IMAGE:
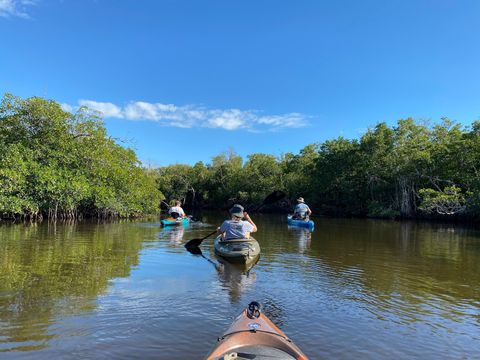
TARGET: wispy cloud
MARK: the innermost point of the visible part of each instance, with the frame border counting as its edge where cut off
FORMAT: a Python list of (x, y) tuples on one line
[(15, 8), (189, 116)]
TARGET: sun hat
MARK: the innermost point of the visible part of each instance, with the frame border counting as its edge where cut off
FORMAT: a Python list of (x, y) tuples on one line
[(300, 199), (237, 210)]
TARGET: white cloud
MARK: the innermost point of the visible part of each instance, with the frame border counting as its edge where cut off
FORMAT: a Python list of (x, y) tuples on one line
[(190, 116), (288, 120), (106, 108), (15, 8), (229, 119)]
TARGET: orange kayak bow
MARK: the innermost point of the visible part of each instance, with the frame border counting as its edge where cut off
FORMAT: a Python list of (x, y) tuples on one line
[(253, 336)]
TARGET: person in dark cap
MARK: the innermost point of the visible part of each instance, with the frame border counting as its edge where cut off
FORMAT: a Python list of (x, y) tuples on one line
[(301, 211), (236, 227)]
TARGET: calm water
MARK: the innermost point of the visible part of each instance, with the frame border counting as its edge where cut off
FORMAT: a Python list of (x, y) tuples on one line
[(352, 289)]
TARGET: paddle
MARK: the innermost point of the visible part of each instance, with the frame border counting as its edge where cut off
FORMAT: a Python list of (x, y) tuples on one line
[(270, 199), (196, 242), (195, 250)]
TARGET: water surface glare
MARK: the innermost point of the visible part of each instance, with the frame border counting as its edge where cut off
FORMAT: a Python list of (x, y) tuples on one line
[(352, 289)]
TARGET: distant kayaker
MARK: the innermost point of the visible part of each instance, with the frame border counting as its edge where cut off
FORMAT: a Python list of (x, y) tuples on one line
[(176, 211), (236, 228), (301, 211)]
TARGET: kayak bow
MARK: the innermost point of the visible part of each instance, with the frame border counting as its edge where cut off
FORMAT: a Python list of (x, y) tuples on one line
[(253, 336)]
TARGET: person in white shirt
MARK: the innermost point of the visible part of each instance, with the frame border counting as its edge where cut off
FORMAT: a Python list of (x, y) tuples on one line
[(176, 211), (236, 228), (301, 211)]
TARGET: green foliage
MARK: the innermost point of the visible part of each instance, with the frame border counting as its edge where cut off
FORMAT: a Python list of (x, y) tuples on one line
[(57, 164), (391, 171), (53, 163), (450, 201)]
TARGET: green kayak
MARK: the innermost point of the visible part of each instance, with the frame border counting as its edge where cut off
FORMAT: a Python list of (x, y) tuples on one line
[(237, 250)]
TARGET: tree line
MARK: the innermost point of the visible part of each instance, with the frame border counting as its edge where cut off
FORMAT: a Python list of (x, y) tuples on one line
[(58, 164), (411, 169)]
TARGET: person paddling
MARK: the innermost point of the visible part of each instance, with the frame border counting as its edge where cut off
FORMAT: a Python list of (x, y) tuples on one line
[(236, 228), (301, 211), (176, 211)]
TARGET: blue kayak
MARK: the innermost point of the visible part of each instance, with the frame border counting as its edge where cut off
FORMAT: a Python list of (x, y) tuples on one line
[(175, 222), (302, 223)]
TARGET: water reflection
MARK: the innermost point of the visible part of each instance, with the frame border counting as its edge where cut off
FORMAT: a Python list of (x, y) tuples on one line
[(54, 270), (369, 289), (236, 278), (303, 237), (174, 234)]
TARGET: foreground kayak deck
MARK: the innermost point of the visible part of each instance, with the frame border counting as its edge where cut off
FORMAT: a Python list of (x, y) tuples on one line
[(301, 223), (174, 222), (253, 336), (243, 251)]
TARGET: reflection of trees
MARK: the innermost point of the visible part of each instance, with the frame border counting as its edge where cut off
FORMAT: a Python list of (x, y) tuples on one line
[(387, 252), (49, 269), (409, 269), (400, 267)]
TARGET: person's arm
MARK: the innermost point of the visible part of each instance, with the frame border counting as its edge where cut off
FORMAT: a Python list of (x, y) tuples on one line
[(247, 217), (183, 213), (309, 212), (221, 228)]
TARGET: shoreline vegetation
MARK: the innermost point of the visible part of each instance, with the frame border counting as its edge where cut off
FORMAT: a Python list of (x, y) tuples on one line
[(59, 165)]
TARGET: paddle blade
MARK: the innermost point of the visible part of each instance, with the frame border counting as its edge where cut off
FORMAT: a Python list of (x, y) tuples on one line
[(193, 243), (194, 250)]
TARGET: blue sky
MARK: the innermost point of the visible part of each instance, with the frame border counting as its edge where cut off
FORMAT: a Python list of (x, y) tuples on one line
[(182, 81)]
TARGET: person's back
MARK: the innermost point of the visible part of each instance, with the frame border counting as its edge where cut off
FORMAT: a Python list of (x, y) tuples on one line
[(236, 228), (176, 211), (301, 211)]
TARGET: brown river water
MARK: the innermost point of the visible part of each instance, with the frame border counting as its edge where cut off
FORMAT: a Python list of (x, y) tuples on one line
[(351, 289)]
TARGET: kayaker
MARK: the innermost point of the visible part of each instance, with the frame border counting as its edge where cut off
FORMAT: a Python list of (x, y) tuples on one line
[(177, 211), (236, 228), (301, 211)]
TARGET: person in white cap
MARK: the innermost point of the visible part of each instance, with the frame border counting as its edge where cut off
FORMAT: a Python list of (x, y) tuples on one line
[(301, 210), (236, 228)]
